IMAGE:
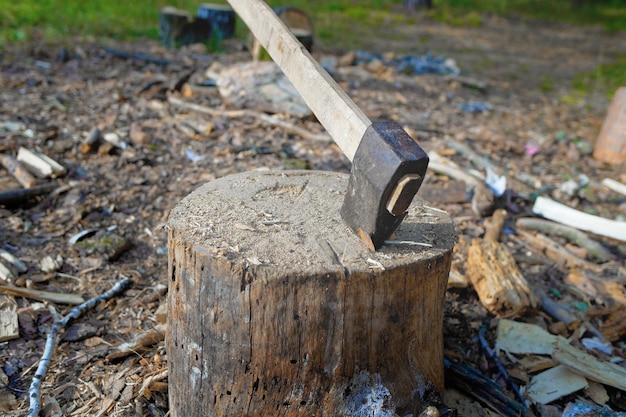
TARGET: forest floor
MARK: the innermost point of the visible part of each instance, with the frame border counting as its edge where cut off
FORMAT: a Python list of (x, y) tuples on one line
[(536, 131)]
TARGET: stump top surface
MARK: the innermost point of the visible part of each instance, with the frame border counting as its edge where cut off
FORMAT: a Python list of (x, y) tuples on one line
[(290, 220)]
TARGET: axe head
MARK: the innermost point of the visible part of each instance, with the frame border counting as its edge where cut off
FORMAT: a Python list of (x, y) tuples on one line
[(387, 170)]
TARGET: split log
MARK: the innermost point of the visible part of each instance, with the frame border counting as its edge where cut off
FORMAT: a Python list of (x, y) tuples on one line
[(500, 285), (276, 307)]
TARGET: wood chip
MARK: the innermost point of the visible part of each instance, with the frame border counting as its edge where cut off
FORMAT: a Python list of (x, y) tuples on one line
[(588, 366), (9, 327), (553, 384)]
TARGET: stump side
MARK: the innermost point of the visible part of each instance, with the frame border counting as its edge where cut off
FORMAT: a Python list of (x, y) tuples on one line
[(276, 308)]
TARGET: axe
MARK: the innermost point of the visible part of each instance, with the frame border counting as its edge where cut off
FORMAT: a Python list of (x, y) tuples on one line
[(388, 166)]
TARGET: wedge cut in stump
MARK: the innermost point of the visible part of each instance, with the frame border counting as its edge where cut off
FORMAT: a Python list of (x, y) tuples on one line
[(276, 308)]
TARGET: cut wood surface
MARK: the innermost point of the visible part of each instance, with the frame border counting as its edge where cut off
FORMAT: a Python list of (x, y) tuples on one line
[(277, 307)]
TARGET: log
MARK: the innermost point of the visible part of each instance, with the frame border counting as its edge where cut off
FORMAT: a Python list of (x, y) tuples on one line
[(610, 146), (277, 308)]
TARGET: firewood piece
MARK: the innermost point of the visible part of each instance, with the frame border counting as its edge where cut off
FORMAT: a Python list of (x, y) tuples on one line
[(613, 185), (18, 265), (40, 164), (90, 144), (561, 213), (18, 171), (588, 366), (594, 248), (14, 197), (500, 285), (9, 327), (610, 146), (494, 225), (613, 328), (292, 314)]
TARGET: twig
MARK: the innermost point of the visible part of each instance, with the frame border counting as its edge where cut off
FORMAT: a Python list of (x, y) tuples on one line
[(34, 392), (498, 362), (41, 295), (594, 248), (270, 120), (22, 194), (142, 57)]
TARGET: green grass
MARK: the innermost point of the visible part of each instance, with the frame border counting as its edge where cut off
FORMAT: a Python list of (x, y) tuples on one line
[(605, 79), (611, 14), (340, 23)]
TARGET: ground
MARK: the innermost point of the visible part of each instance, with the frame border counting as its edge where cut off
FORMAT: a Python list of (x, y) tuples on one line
[(53, 96)]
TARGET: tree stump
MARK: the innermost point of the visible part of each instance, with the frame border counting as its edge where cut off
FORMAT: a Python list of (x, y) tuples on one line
[(277, 308)]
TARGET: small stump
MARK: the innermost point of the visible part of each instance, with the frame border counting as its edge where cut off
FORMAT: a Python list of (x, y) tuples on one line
[(277, 308)]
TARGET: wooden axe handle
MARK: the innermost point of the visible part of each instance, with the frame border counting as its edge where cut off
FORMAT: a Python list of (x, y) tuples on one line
[(345, 122)]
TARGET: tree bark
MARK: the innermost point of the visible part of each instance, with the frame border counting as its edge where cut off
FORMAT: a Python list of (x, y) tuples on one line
[(277, 308)]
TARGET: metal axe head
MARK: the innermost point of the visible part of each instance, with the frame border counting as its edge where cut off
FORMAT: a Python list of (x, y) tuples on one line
[(387, 171)]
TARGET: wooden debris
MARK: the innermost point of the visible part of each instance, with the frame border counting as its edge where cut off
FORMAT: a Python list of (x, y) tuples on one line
[(588, 366), (139, 344), (15, 263), (41, 295), (91, 142), (9, 328), (18, 171), (40, 164), (557, 252), (561, 213), (14, 197), (482, 200), (469, 380), (266, 118), (597, 393), (616, 186), (525, 338), (610, 146), (554, 383), (260, 85), (613, 328), (34, 392), (500, 285), (594, 248), (557, 311), (6, 273)]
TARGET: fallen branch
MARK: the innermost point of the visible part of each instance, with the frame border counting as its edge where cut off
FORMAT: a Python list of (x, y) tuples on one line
[(34, 392), (138, 56), (270, 120), (557, 252), (40, 295), (561, 213), (483, 199), (594, 248), (498, 362), (20, 195)]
